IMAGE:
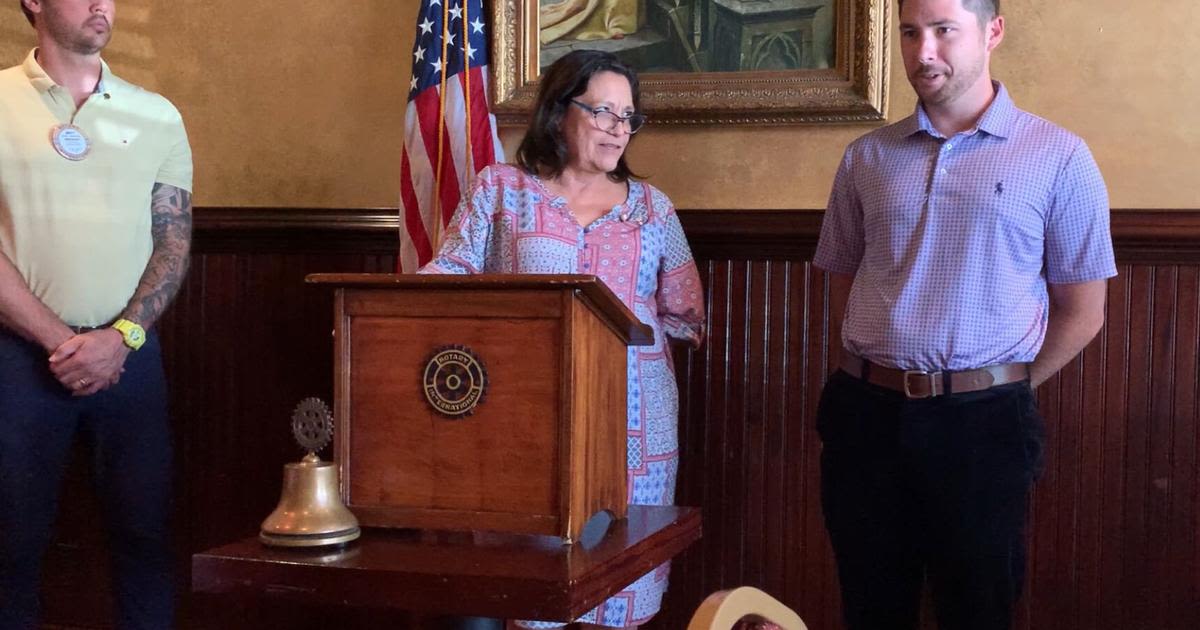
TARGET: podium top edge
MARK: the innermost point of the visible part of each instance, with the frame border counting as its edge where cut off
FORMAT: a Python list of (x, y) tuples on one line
[(514, 281), (631, 329)]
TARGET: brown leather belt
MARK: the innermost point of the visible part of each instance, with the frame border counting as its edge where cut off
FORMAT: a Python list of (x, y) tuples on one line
[(921, 384)]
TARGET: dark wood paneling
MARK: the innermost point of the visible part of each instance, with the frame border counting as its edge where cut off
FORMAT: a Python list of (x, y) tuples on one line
[(750, 458), (1115, 520)]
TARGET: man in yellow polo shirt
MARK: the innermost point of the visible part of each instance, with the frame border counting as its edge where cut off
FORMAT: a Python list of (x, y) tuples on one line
[(95, 228)]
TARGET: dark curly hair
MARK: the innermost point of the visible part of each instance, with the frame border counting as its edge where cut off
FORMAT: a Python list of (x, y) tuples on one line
[(543, 150)]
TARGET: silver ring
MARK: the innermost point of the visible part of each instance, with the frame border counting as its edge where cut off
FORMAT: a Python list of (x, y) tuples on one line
[(83, 382)]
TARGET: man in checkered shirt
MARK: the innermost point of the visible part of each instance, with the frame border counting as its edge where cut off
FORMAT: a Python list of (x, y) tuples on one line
[(978, 239)]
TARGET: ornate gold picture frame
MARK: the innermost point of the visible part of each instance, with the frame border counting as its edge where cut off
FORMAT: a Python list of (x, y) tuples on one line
[(851, 87)]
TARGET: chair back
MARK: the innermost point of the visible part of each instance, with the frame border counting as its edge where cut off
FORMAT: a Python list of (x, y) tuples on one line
[(724, 609)]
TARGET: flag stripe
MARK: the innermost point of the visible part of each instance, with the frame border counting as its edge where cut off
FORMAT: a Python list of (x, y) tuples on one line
[(418, 239), (456, 127), (420, 182), (428, 114), (481, 127)]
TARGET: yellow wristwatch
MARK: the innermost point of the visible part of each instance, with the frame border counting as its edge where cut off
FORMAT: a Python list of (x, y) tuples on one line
[(133, 334)]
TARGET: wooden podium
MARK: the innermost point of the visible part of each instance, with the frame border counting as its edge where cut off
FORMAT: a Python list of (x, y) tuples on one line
[(488, 402)]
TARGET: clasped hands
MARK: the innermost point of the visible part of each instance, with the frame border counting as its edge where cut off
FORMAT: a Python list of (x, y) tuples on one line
[(89, 362)]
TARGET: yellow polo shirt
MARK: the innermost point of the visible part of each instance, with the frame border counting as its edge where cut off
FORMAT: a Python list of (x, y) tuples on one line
[(79, 232)]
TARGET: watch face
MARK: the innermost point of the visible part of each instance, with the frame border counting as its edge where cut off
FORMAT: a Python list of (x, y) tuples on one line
[(135, 335)]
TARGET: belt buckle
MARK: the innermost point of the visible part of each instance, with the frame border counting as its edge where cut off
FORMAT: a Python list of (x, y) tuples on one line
[(934, 380)]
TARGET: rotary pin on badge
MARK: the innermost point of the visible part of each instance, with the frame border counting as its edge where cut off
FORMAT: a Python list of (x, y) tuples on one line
[(70, 142)]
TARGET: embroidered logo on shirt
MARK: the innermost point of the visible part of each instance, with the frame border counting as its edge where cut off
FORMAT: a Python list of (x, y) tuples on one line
[(999, 187)]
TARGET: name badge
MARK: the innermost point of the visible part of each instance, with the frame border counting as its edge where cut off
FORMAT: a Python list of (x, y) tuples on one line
[(70, 142)]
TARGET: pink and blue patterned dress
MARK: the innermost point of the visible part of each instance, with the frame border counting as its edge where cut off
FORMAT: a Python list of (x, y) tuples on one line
[(510, 223)]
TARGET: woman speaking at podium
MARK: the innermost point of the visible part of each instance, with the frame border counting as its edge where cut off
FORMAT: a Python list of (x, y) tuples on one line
[(572, 205)]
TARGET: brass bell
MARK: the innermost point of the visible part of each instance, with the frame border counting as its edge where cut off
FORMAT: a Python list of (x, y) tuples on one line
[(310, 511)]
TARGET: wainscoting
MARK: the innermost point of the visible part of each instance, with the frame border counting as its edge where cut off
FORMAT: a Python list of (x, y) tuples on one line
[(1116, 518)]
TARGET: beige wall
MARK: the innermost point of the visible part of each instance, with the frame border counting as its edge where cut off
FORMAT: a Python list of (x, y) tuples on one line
[(287, 103), (300, 103)]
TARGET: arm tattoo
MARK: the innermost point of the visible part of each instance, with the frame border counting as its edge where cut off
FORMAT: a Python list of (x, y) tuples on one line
[(171, 229)]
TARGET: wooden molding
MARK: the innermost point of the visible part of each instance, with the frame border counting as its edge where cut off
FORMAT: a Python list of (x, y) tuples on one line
[(1157, 236), (363, 230), (1147, 236)]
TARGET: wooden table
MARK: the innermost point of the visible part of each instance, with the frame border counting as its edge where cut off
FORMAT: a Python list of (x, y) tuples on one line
[(463, 574)]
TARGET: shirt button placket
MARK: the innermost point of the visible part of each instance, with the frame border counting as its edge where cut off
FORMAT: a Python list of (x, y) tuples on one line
[(943, 156)]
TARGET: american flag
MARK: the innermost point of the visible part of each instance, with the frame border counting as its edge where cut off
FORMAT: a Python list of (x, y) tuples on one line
[(444, 147)]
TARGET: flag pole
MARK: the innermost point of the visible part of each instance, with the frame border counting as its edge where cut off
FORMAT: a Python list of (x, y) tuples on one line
[(466, 40), (436, 237)]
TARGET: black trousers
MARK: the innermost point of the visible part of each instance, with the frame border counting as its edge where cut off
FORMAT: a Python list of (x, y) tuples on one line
[(127, 431), (928, 490)]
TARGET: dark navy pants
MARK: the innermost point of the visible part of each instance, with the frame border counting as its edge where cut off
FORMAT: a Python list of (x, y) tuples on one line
[(127, 431), (932, 490)]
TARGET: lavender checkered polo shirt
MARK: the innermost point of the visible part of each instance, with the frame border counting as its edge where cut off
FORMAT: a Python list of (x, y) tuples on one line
[(952, 240)]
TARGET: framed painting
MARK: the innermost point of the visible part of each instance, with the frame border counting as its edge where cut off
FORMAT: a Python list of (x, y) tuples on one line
[(759, 62)]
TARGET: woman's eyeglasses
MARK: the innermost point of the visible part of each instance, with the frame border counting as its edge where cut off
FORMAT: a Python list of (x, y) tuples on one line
[(605, 120)]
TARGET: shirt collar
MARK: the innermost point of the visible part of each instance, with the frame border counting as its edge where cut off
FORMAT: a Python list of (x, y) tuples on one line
[(1001, 115), (997, 120), (42, 81)]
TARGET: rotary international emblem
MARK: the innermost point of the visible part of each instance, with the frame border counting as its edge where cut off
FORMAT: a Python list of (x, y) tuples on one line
[(454, 381)]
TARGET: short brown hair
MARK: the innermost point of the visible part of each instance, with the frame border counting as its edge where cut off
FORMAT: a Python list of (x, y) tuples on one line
[(983, 9)]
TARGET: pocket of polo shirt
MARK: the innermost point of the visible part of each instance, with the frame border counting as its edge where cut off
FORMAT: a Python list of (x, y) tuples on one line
[(1019, 229)]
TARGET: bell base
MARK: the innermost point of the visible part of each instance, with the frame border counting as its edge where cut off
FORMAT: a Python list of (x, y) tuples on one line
[(310, 540)]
